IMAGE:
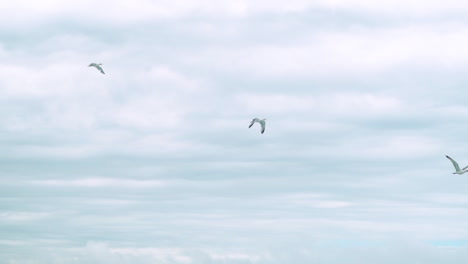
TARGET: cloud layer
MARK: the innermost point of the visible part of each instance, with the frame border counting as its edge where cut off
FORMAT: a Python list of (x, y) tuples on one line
[(154, 162)]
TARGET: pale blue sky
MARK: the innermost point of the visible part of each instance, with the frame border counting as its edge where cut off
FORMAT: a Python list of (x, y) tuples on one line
[(154, 161)]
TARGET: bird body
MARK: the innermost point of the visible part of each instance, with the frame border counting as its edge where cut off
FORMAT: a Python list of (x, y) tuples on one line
[(260, 121), (97, 66), (457, 168)]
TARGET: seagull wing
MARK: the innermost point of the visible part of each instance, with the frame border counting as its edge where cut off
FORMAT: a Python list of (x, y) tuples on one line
[(95, 65), (100, 69), (262, 122), (253, 122), (466, 167), (455, 164)]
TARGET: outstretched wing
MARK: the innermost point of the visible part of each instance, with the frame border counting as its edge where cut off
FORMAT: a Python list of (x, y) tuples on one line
[(100, 69), (455, 164), (262, 122), (466, 167), (253, 122), (96, 65)]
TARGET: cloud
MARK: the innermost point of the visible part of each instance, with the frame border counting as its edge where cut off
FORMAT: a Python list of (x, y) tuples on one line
[(316, 201), (143, 10), (399, 7), (352, 104), (102, 182), (121, 12), (154, 161), (96, 252), (23, 216), (354, 52)]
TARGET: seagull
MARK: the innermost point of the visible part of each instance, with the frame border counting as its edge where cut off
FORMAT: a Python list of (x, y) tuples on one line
[(261, 121), (457, 168), (98, 66)]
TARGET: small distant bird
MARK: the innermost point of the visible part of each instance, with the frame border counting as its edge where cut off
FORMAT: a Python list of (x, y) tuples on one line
[(457, 168), (98, 66), (261, 121)]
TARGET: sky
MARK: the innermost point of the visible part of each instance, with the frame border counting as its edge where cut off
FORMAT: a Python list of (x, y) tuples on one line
[(154, 162)]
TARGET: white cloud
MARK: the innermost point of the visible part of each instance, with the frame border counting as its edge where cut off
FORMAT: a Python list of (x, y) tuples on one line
[(14, 216), (66, 94), (388, 146), (402, 250), (355, 104), (449, 199), (316, 201), (335, 162), (398, 7), (355, 52), (121, 11), (95, 251), (164, 75), (102, 182)]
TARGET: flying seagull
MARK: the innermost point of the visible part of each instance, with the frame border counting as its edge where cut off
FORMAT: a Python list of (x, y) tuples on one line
[(98, 66), (261, 121), (457, 168)]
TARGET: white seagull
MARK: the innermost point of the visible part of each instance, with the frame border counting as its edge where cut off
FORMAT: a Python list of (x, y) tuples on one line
[(98, 66), (261, 121), (457, 168)]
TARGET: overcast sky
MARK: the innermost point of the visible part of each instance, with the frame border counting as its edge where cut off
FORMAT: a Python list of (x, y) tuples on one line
[(154, 162)]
